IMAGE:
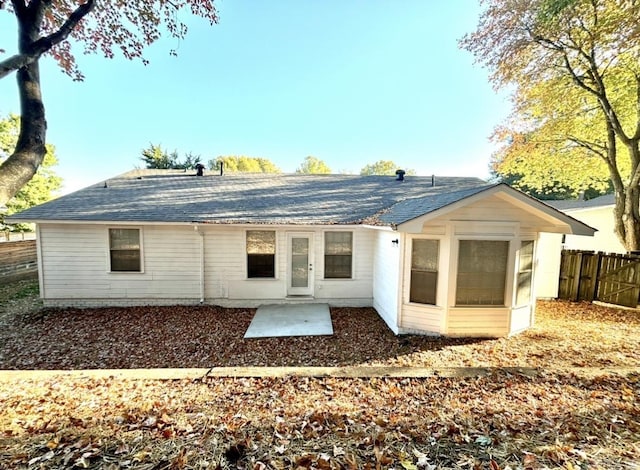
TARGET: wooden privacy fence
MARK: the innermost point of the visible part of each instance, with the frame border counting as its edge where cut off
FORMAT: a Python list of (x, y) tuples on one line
[(18, 260), (611, 278)]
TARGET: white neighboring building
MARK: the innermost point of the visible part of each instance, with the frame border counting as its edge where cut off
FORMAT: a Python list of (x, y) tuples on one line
[(597, 213)]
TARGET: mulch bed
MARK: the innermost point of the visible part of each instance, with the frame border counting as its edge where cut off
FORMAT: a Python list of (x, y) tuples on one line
[(151, 337), (566, 335)]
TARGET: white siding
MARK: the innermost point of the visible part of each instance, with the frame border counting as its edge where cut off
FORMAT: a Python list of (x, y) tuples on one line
[(480, 322), (386, 276), (521, 318), (76, 267), (493, 209), (75, 264), (360, 287), (425, 319)]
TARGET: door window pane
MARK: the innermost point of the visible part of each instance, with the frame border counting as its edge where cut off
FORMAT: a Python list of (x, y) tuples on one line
[(338, 248), (482, 272), (424, 271), (261, 253), (124, 250), (299, 262)]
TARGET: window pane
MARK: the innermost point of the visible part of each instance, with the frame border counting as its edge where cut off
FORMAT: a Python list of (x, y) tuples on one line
[(261, 242), (124, 239), (424, 271), (338, 243), (338, 248), (525, 273), (482, 270), (337, 267), (125, 260), (124, 248), (424, 255), (299, 262), (423, 287), (261, 249), (261, 266)]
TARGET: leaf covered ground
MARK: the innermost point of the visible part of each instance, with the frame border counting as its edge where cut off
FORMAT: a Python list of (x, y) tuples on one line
[(566, 335), (498, 422), (555, 419)]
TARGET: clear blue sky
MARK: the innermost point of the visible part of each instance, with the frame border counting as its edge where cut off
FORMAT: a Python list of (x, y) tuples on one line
[(350, 82)]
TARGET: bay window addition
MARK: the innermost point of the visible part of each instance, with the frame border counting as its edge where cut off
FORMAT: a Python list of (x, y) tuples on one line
[(424, 271), (482, 272), (261, 254), (338, 253), (525, 273), (124, 250)]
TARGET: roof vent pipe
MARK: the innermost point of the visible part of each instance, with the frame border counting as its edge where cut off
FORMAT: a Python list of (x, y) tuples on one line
[(400, 175), (221, 163), (199, 169)]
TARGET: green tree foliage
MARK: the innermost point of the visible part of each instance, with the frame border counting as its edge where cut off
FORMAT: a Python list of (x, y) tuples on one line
[(155, 156), (313, 166), (574, 69), (383, 167), (242, 164), (44, 27), (41, 188)]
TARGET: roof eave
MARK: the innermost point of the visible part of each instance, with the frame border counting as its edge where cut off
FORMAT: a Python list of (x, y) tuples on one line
[(558, 221)]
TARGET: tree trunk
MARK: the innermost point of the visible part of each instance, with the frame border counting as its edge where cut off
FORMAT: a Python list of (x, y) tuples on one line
[(629, 213), (30, 150)]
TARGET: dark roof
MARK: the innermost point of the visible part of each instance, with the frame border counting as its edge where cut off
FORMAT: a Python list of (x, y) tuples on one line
[(575, 204), (178, 196)]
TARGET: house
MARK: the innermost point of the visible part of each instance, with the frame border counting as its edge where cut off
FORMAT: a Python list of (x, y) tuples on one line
[(597, 213), (433, 255)]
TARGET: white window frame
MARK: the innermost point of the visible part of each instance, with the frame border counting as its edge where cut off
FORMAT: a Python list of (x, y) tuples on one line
[(140, 240), (353, 255), (439, 273), (275, 255)]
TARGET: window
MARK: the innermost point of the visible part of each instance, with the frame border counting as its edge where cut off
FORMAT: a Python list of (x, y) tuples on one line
[(261, 253), (525, 273), (482, 272), (124, 249), (424, 271), (338, 249)]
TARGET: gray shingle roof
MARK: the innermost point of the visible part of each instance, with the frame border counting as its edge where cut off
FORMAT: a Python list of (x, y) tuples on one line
[(177, 196), (574, 204)]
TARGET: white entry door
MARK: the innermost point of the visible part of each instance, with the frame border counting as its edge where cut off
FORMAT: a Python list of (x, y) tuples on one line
[(300, 263)]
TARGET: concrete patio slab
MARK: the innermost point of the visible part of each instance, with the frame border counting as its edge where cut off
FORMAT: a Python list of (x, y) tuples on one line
[(290, 320)]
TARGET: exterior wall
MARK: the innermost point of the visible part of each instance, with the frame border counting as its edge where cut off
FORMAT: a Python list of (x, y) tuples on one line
[(478, 322), (427, 319), (226, 269), (489, 219), (75, 267), (75, 264), (521, 319), (386, 276)]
